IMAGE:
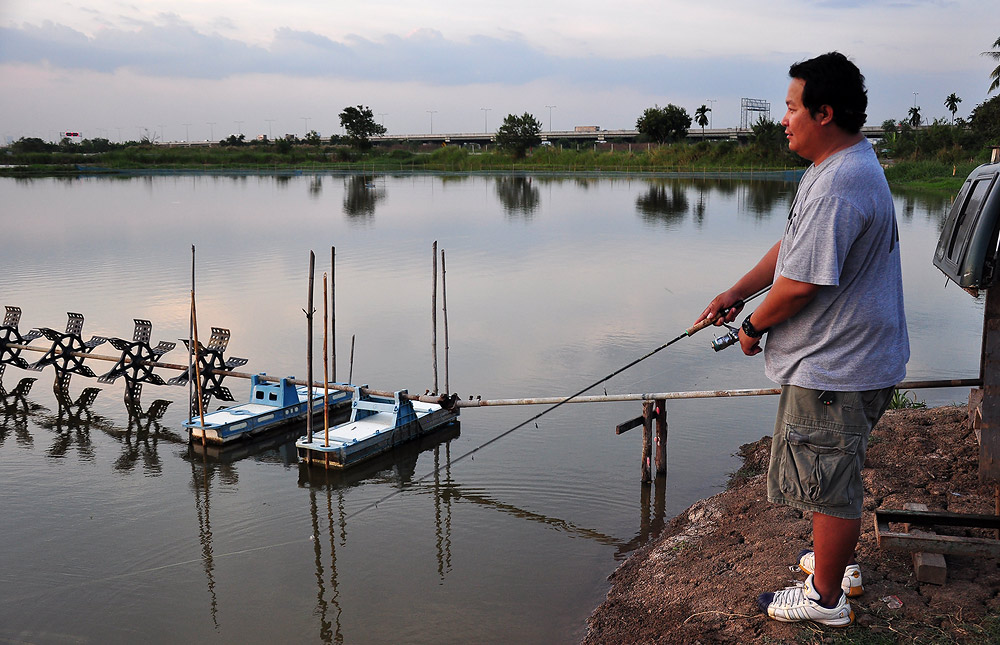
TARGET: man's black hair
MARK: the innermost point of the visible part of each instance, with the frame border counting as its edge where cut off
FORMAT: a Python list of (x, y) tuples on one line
[(831, 79)]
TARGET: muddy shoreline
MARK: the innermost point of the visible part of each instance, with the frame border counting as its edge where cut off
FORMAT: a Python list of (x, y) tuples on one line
[(699, 580)]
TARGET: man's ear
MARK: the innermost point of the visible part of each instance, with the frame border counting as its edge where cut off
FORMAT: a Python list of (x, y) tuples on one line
[(824, 115)]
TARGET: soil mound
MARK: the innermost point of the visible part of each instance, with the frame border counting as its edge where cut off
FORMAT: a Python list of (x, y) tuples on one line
[(698, 582)]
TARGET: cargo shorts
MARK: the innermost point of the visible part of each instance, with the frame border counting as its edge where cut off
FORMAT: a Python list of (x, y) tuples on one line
[(818, 449)]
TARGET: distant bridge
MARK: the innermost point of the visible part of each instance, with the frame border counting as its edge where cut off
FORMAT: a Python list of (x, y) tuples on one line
[(557, 137), (573, 136)]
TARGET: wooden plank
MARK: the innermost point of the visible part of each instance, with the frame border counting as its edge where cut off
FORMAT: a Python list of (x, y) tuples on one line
[(622, 428), (930, 518), (976, 412), (946, 544), (928, 567), (989, 442)]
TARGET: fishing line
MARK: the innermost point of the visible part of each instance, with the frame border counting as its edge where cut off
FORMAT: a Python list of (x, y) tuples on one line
[(687, 332)]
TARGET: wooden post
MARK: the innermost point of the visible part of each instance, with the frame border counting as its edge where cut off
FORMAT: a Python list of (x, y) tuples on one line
[(444, 314), (190, 369), (989, 443), (647, 441), (326, 378), (434, 315), (333, 314), (309, 348), (661, 437)]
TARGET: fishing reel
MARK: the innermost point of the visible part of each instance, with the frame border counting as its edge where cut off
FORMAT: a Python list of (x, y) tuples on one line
[(729, 339)]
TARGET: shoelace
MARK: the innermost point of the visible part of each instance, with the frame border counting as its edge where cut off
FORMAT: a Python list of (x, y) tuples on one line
[(790, 595)]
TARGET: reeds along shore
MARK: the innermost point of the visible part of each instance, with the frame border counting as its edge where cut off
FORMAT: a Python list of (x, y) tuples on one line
[(617, 157)]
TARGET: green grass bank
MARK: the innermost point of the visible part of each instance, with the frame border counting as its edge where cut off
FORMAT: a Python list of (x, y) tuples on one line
[(629, 158)]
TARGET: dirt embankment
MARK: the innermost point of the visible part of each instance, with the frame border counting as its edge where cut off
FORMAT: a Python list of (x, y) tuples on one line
[(698, 582)]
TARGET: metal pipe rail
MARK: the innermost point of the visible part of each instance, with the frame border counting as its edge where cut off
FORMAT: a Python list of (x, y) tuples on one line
[(550, 400), (696, 394)]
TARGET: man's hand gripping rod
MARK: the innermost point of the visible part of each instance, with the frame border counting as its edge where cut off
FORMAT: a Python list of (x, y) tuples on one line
[(733, 336)]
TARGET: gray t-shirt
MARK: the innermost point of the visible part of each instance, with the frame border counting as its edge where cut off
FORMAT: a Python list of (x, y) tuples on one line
[(841, 234)]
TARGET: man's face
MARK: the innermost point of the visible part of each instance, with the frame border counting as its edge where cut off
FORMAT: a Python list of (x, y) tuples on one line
[(803, 130)]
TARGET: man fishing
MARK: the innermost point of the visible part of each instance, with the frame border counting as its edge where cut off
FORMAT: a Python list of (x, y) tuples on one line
[(835, 329)]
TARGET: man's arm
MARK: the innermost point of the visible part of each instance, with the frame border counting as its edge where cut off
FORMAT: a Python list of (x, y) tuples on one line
[(756, 279), (785, 299)]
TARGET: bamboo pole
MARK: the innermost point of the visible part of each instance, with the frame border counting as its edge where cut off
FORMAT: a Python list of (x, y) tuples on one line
[(309, 347), (350, 372), (333, 313), (197, 369), (444, 313), (434, 317), (190, 367), (326, 371)]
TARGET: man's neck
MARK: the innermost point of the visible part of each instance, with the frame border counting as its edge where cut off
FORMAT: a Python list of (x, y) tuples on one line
[(839, 140)]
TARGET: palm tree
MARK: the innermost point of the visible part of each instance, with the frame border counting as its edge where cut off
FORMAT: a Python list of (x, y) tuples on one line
[(995, 55), (952, 104), (701, 118), (914, 116)]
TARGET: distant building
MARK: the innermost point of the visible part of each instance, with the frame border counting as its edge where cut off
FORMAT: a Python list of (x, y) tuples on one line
[(587, 128)]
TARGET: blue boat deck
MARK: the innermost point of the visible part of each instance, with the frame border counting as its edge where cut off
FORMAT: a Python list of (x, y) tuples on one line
[(377, 425), (271, 405)]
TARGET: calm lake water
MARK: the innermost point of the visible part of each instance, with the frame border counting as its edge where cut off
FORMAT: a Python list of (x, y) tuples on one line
[(114, 530)]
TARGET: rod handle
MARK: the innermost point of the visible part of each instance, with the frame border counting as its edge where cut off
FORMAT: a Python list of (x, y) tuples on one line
[(698, 326)]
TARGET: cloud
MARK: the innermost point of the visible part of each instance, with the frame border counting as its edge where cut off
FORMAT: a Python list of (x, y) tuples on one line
[(171, 47)]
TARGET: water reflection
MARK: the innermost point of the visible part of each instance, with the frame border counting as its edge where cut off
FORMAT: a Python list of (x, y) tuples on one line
[(668, 201), (201, 476), (72, 423), (664, 202), (761, 199), (326, 492), (74, 420), (141, 438), (934, 206), (329, 611), (315, 185), (361, 194), (652, 516), (517, 195), (16, 409)]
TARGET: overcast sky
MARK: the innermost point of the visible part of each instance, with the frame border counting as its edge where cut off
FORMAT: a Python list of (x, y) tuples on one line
[(208, 68)]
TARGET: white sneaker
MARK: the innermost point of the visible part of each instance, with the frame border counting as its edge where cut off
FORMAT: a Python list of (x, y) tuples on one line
[(851, 584), (793, 604)]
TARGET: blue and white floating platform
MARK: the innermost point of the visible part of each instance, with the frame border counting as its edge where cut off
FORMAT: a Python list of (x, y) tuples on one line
[(377, 424), (271, 405)]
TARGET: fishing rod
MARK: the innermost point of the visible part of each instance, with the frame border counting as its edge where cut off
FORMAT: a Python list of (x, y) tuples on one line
[(690, 331)]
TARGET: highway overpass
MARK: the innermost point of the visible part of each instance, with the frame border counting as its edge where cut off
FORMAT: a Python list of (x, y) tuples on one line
[(572, 136), (557, 137)]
